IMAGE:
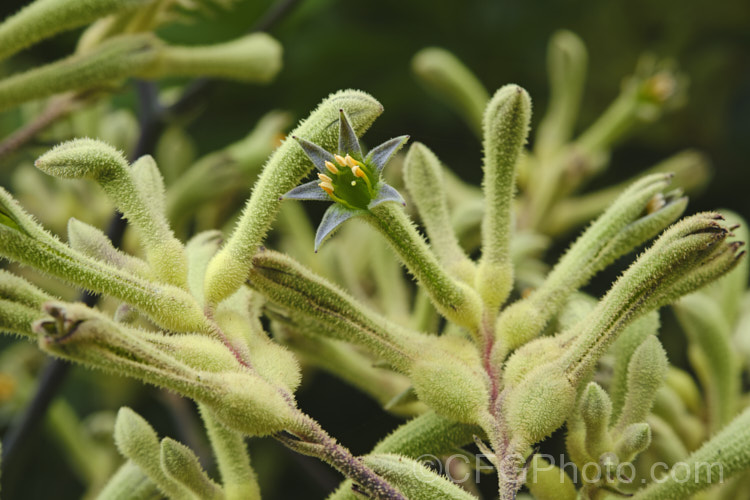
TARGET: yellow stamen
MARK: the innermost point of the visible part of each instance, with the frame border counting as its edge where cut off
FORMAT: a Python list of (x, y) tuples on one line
[(331, 167), (327, 187), (340, 159), (325, 178), (356, 170), (351, 161)]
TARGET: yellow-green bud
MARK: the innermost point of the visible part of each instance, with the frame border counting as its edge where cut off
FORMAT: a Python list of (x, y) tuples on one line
[(452, 387), (540, 405)]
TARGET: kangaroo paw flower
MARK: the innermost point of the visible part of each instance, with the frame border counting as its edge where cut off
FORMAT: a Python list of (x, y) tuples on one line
[(347, 177)]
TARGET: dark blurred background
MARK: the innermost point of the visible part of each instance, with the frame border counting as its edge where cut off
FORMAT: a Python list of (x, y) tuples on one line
[(334, 44)]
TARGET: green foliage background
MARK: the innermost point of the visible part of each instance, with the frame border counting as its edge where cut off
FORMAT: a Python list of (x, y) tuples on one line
[(334, 44)]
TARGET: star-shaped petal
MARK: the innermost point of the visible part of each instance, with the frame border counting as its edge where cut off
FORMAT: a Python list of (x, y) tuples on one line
[(348, 178), (380, 155), (332, 219)]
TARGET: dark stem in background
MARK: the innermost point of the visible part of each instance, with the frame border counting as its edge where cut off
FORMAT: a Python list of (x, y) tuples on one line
[(153, 119)]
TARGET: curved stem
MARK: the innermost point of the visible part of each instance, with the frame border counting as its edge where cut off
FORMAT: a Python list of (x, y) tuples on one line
[(311, 439), (455, 300)]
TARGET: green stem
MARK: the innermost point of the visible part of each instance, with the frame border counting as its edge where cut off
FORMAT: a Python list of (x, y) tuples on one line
[(129, 483), (716, 461), (455, 300), (44, 18), (238, 478)]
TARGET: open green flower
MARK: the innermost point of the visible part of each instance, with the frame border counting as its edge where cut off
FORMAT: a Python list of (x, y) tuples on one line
[(349, 178)]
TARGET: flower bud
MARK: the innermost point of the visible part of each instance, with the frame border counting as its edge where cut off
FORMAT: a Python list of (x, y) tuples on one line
[(566, 66), (44, 18), (540, 404), (180, 464), (93, 243), (137, 441), (111, 62), (596, 410), (547, 481), (634, 439), (424, 179), (445, 75), (505, 126), (646, 373), (413, 479), (254, 58), (140, 199), (452, 387)]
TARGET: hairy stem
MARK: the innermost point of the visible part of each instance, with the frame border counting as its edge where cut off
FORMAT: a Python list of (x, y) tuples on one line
[(314, 441)]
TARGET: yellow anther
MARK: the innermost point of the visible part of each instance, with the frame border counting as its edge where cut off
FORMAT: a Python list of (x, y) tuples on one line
[(325, 178), (356, 170), (351, 161), (327, 187), (331, 167), (341, 160)]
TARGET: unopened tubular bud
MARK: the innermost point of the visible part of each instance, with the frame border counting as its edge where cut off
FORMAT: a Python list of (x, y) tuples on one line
[(445, 75), (93, 243), (181, 465), (646, 372), (44, 18), (248, 404), (547, 481), (630, 339), (19, 290), (685, 256), (113, 61), (23, 240), (423, 175), (505, 126), (150, 183), (634, 439), (253, 58), (596, 409), (540, 405), (285, 282), (17, 318), (137, 441), (625, 225), (720, 458), (451, 387), (413, 479), (141, 201), (566, 65)]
